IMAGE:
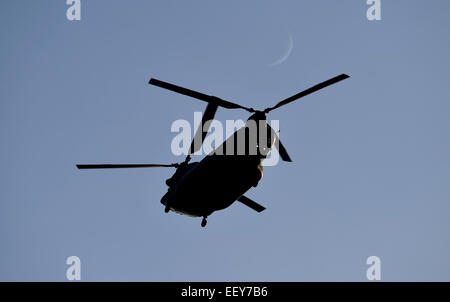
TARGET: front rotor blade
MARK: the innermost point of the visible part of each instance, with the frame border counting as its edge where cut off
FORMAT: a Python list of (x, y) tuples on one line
[(197, 95), (120, 166), (202, 130), (281, 149), (308, 91)]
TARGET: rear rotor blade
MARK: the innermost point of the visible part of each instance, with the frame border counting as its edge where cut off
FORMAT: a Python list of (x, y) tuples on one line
[(251, 204), (197, 95), (308, 91), (120, 166), (202, 130)]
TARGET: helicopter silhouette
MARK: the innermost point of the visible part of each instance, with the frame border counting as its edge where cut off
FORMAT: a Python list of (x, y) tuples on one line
[(222, 177)]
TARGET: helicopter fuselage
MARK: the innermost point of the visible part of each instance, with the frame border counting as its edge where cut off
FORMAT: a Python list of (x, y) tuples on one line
[(213, 184), (200, 188)]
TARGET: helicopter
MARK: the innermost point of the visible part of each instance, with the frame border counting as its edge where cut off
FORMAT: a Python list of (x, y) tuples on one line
[(198, 189)]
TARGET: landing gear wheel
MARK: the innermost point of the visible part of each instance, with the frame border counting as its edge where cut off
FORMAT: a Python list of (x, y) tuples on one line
[(167, 209), (204, 221)]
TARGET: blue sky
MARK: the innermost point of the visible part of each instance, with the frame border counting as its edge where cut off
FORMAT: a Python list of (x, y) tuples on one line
[(371, 168)]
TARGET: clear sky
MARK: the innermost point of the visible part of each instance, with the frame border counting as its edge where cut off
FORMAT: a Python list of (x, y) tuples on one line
[(371, 170)]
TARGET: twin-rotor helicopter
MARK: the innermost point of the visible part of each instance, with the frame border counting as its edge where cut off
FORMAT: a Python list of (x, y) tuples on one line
[(200, 188)]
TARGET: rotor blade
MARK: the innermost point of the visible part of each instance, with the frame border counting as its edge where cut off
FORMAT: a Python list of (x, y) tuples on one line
[(251, 204), (118, 166), (308, 91), (281, 149), (202, 130), (197, 95)]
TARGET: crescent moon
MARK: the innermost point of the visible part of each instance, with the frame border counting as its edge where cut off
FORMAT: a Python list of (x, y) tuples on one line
[(286, 54)]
